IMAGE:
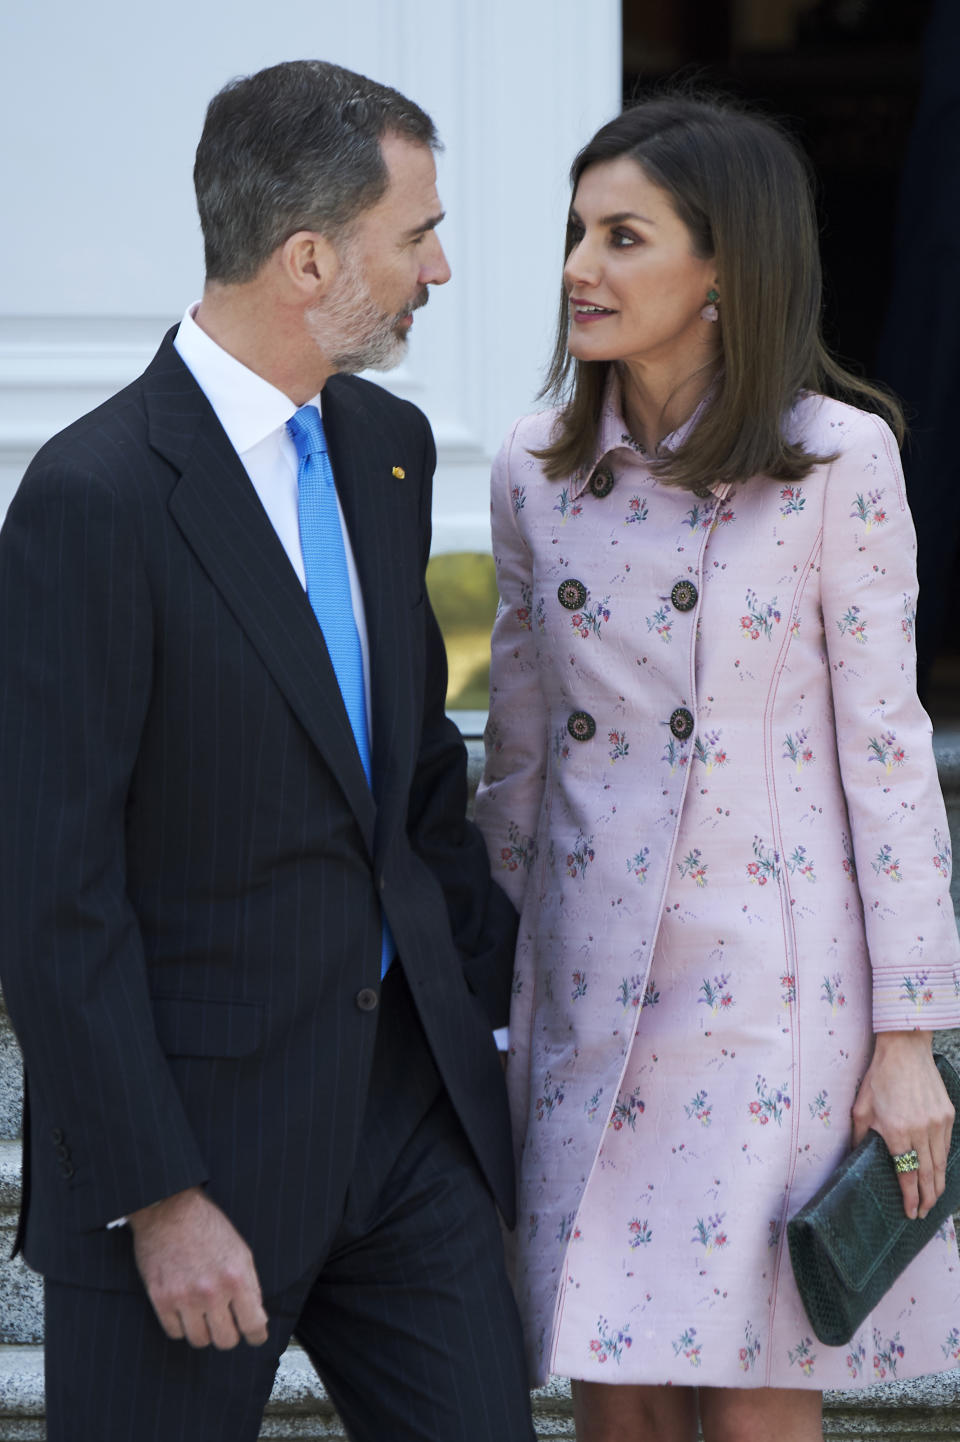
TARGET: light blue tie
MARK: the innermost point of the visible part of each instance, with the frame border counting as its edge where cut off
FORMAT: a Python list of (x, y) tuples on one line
[(328, 585)]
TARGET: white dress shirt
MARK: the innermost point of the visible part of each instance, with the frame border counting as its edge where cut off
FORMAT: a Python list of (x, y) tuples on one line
[(254, 415)]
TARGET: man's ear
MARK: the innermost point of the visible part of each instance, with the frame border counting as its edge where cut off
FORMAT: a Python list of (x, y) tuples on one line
[(309, 263)]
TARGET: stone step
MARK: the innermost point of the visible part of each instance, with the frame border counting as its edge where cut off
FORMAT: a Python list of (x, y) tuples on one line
[(299, 1408)]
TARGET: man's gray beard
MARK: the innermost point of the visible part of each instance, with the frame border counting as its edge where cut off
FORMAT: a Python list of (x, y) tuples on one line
[(365, 338)]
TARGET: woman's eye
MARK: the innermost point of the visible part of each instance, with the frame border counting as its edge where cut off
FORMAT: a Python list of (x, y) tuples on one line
[(623, 239)]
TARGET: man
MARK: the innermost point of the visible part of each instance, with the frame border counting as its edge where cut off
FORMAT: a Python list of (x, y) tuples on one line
[(231, 802)]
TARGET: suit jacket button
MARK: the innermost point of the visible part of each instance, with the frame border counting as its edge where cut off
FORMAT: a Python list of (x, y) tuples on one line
[(581, 726), (63, 1151), (66, 1170), (56, 1136), (684, 596), (681, 723), (572, 594), (367, 999)]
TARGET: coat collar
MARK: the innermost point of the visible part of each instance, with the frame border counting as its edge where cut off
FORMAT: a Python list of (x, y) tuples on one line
[(220, 516), (615, 444)]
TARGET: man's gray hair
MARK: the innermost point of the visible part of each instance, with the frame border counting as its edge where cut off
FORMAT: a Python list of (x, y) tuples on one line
[(294, 147)]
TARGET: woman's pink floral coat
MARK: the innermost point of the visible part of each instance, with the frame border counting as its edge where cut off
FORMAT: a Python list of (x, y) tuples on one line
[(710, 791)]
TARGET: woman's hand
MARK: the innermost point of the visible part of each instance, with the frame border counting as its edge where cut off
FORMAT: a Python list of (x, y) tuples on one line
[(903, 1098)]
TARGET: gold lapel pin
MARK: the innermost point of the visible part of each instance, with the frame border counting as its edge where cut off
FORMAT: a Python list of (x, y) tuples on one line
[(398, 473)]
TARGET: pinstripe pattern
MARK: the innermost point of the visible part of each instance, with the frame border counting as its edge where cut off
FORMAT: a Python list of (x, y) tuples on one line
[(409, 1320), (192, 863)]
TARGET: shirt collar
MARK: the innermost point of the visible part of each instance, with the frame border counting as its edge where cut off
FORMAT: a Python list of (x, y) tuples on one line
[(248, 407), (613, 437)]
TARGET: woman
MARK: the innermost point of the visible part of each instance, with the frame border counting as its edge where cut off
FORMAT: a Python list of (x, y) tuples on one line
[(711, 793)]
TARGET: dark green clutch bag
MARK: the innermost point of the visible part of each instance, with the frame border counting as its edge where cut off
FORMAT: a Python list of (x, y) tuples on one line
[(852, 1240)]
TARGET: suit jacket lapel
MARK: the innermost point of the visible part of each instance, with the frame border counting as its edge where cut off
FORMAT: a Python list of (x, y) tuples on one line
[(221, 518)]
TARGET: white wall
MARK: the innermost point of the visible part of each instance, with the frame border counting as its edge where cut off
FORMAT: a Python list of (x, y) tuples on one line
[(101, 104)]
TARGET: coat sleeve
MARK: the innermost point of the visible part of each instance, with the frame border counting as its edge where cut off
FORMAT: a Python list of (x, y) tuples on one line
[(899, 833), (482, 920), (511, 791), (76, 656)]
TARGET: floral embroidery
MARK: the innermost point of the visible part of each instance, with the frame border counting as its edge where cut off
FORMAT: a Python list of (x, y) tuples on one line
[(523, 612), (661, 623), (803, 1356), (944, 855), (710, 1233), (619, 745), (631, 991), (588, 621), (856, 1359), (830, 992), (626, 1112), (909, 619), (686, 1346), (851, 624), (770, 1103), (884, 748), (848, 863), (869, 510), (694, 866), (699, 1109), (579, 979), (552, 1097), (886, 1354), (916, 991), (592, 1105), (651, 996), (520, 852), (636, 510), (749, 1353), (884, 864), (640, 1233), (675, 753), (709, 751), (819, 1110), (789, 992), (950, 1346), (760, 618), (581, 856), (639, 864), (724, 517), (797, 750), (773, 1232), (700, 515), (565, 507), (715, 994), (518, 494), (793, 500), (766, 867), (608, 1344), (799, 863)]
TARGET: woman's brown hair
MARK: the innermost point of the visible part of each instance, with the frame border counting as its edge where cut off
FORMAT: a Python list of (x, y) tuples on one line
[(744, 191)]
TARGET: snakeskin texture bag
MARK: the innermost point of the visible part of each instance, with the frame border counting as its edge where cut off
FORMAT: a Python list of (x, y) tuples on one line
[(852, 1240)]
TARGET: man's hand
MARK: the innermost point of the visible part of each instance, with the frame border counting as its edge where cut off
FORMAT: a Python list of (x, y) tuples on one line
[(198, 1272)]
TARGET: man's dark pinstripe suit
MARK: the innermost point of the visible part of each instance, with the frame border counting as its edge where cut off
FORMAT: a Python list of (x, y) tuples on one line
[(192, 863)]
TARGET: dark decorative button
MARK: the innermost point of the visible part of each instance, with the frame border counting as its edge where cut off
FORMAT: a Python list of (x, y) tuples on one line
[(66, 1170), (702, 492), (601, 482), (581, 726), (367, 999), (56, 1136), (681, 723), (572, 594), (684, 596)]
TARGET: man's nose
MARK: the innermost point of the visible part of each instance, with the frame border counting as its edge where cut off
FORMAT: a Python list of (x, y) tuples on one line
[(436, 268)]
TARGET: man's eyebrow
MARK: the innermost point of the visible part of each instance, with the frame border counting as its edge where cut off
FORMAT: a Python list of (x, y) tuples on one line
[(617, 218), (430, 224)]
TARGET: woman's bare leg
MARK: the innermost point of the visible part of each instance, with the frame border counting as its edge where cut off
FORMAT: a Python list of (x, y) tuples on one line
[(761, 1414), (635, 1414)]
